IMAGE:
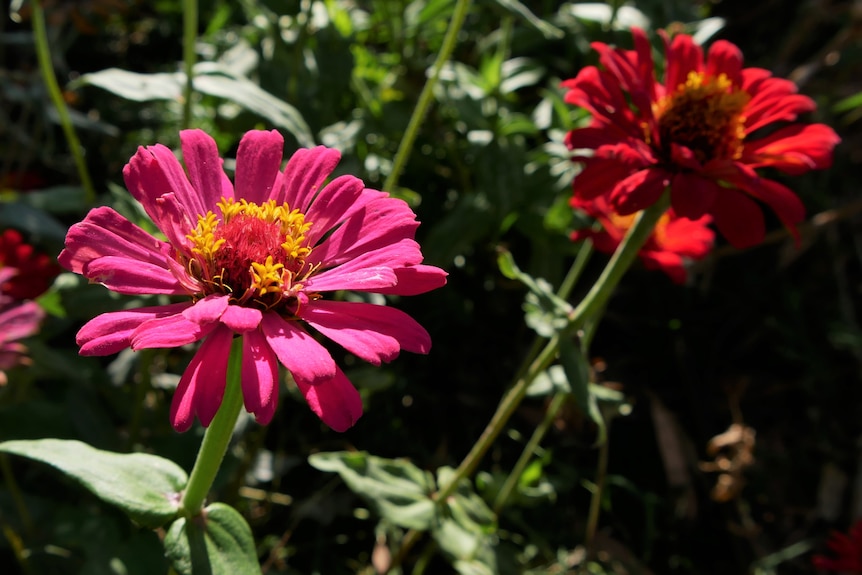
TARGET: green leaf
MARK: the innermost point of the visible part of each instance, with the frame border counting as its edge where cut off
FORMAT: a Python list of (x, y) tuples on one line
[(468, 532), (208, 80), (245, 93), (395, 488), (546, 312), (217, 542), (145, 487), (134, 86), (517, 8), (578, 373)]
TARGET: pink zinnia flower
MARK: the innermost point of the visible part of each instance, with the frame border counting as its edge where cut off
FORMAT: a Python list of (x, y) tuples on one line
[(847, 550), (673, 240), (254, 259), (702, 132), (18, 319)]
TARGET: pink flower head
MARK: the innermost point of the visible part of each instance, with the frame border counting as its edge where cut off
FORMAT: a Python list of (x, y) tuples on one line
[(673, 240), (699, 133), (18, 319), (847, 550), (254, 258)]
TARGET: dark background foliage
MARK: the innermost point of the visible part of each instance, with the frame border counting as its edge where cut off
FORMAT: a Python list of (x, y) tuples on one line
[(769, 337)]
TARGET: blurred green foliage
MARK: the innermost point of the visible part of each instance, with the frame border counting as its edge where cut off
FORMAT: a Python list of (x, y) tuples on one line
[(770, 337)]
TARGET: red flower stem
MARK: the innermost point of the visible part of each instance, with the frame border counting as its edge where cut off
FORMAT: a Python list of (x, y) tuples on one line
[(49, 76), (406, 144), (593, 303), (216, 438)]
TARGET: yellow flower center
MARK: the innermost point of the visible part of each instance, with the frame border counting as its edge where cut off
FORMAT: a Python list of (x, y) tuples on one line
[(254, 253), (704, 115)]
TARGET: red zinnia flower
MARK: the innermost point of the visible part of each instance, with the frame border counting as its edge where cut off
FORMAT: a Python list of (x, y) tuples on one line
[(254, 259), (848, 549), (673, 239), (34, 271), (698, 133), (17, 320)]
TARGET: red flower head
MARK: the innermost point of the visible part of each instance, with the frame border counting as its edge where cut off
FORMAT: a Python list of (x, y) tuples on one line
[(848, 549), (34, 271), (254, 258), (673, 239), (698, 133), (17, 320)]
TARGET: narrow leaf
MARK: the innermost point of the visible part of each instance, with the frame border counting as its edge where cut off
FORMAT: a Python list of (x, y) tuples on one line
[(134, 86), (145, 487)]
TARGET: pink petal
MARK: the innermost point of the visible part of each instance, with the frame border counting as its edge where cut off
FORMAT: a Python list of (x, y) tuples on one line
[(241, 319), (304, 174), (104, 232), (257, 163), (201, 387), (175, 180), (259, 377), (122, 275), (334, 400), (738, 218), (336, 201), (200, 154), (374, 333), (381, 222), (365, 279), (175, 222), (208, 310), (414, 280), (111, 332), (297, 350), (20, 321), (169, 331)]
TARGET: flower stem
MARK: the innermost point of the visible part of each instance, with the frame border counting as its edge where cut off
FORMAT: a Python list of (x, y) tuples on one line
[(596, 499), (538, 434), (406, 145), (190, 36), (49, 76), (593, 303), (216, 438), (620, 262)]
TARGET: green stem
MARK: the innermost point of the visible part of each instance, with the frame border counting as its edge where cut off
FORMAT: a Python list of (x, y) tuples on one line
[(619, 263), (596, 499), (216, 438), (49, 76), (17, 496), (529, 450), (406, 145), (593, 303), (190, 36)]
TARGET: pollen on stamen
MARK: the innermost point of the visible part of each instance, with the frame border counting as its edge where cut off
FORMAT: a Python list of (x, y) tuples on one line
[(252, 253), (705, 115)]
